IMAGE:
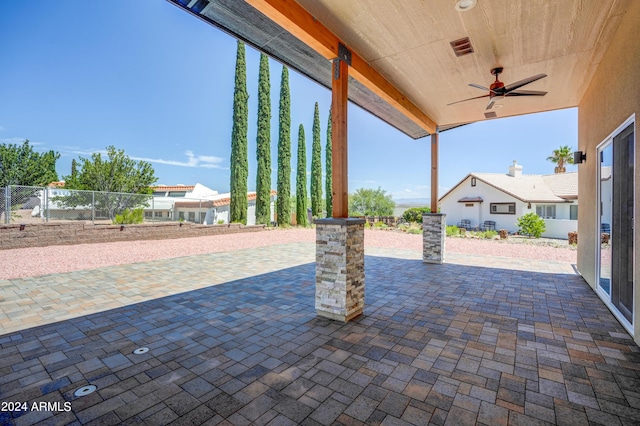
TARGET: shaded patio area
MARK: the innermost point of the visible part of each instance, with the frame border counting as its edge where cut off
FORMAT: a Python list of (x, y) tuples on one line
[(476, 340)]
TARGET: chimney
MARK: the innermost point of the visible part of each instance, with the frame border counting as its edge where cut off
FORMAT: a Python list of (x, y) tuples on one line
[(515, 170)]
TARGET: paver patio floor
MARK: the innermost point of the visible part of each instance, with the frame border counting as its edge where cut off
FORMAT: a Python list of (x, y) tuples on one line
[(233, 338)]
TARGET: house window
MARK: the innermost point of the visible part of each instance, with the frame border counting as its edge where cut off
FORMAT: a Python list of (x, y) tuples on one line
[(158, 214), (177, 193), (192, 216), (573, 212), (469, 205), (473, 181), (503, 208), (203, 215), (180, 215), (546, 211), (147, 214)]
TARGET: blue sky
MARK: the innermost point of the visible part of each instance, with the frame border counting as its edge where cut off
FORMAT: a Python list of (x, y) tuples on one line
[(149, 78)]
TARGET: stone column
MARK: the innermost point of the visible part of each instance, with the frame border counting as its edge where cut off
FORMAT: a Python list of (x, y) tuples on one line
[(339, 268), (434, 230)]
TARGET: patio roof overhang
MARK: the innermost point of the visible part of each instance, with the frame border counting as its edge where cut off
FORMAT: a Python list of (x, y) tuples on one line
[(404, 69)]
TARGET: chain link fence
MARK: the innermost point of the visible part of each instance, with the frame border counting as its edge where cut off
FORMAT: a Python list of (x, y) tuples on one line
[(20, 204)]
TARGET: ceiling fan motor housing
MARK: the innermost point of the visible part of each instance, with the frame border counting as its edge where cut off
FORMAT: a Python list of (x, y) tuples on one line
[(495, 88)]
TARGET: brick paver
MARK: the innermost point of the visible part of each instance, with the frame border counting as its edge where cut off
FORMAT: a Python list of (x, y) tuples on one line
[(233, 339)]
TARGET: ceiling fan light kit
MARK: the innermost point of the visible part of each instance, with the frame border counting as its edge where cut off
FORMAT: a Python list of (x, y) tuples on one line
[(465, 5)]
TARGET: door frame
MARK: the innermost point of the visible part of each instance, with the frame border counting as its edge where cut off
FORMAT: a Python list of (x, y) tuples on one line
[(606, 298)]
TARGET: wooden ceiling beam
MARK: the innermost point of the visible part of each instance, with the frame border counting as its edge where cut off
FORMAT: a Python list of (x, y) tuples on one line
[(296, 20)]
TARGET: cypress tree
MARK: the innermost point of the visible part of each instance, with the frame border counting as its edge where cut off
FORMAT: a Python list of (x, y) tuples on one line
[(263, 180), (284, 152), (316, 166), (239, 154), (301, 181), (329, 166)]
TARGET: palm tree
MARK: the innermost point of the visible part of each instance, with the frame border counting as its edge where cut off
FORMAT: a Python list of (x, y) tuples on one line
[(561, 156)]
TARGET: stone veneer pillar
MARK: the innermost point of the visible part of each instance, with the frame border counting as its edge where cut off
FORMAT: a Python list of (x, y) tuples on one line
[(434, 230), (339, 268)]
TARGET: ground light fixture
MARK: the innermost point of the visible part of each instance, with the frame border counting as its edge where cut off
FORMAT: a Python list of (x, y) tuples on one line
[(465, 5), (579, 157)]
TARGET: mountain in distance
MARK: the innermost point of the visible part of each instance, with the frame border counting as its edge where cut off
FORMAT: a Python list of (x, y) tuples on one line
[(413, 202)]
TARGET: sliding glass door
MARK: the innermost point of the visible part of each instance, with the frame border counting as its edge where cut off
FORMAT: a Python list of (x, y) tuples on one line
[(616, 196)]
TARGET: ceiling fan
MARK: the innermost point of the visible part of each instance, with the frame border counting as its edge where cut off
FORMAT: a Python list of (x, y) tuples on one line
[(499, 90)]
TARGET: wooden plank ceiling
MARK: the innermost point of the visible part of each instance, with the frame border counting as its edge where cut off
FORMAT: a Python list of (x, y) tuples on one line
[(408, 43)]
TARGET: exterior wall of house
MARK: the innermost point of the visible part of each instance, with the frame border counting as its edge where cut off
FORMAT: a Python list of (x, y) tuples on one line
[(480, 212), (613, 95)]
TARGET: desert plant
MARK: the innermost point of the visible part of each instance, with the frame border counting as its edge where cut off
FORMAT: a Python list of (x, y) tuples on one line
[(129, 217), (380, 225), (453, 231), (531, 225), (489, 234), (414, 228), (414, 214)]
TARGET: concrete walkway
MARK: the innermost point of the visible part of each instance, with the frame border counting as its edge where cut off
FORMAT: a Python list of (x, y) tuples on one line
[(233, 339)]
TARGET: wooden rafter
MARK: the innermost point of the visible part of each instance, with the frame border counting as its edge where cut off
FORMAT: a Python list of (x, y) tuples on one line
[(296, 20)]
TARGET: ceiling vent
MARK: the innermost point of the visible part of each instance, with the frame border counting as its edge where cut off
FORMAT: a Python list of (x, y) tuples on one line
[(490, 114), (462, 46)]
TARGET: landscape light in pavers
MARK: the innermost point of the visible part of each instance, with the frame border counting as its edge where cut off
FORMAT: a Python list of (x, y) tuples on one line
[(85, 390), (141, 351)]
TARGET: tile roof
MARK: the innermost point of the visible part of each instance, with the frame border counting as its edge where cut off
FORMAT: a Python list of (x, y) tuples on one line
[(555, 188), (219, 201), (159, 188)]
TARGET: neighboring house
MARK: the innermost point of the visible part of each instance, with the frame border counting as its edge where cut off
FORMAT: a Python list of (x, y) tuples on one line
[(162, 206), (217, 209), (503, 198)]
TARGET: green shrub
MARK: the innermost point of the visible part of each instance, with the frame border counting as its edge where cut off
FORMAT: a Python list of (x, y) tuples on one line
[(220, 221), (531, 225), (414, 214), (414, 228), (380, 225), (488, 235), (129, 217), (453, 231)]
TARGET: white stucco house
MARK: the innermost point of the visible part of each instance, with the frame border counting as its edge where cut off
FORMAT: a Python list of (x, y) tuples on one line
[(198, 204), (503, 198), (216, 209)]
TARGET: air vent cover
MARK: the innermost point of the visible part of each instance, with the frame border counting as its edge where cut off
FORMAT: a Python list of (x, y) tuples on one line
[(490, 114), (462, 46)]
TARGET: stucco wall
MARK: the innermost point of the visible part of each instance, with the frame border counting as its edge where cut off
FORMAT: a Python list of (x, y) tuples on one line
[(611, 97)]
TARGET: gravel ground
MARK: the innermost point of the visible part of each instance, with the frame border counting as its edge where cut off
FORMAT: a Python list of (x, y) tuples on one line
[(29, 262)]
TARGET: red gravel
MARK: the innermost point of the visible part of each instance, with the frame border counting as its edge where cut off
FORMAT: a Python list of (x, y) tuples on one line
[(34, 261)]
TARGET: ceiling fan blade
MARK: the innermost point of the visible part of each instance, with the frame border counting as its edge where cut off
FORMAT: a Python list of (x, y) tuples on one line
[(526, 93), (490, 104), (518, 84), (470, 99), (477, 86)]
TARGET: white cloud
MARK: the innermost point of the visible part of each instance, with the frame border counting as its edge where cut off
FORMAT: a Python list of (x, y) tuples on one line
[(205, 161)]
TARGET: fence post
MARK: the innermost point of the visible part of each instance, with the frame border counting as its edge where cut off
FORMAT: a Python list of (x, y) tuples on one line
[(93, 207), (44, 212), (7, 204), (153, 210)]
